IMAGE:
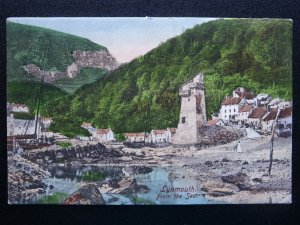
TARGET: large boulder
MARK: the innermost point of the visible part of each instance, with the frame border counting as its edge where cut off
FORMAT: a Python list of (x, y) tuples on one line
[(236, 178), (87, 195), (127, 185), (219, 188), (239, 179)]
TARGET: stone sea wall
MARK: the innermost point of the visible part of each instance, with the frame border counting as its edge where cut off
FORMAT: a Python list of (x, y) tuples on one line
[(72, 155)]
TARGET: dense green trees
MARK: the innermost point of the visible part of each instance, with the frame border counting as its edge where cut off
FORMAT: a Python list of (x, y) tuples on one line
[(143, 94)]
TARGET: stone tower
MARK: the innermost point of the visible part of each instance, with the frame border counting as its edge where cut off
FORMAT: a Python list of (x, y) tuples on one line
[(192, 111)]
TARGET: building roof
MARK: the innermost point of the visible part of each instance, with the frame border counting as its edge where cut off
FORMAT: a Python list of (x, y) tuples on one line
[(246, 108), (213, 122), (17, 105), (172, 129), (133, 134), (287, 112), (245, 94), (258, 113), (232, 101), (271, 115), (158, 131), (102, 131)]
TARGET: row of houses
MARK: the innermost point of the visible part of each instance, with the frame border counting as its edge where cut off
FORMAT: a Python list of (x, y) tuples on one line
[(15, 107), (259, 112), (107, 135), (17, 127)]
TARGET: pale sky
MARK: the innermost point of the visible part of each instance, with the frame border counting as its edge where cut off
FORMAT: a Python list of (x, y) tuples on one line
[(126, 38)]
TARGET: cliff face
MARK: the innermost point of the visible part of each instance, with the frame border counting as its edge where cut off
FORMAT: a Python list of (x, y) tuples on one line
[(82, 59), (96, 59), (49, 76)]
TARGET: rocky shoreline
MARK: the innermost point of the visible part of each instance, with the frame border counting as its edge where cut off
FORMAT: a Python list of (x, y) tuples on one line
[(25, 180), (226, 175)]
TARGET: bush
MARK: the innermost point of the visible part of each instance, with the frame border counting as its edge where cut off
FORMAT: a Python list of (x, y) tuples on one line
[(64, 144), (140, 201), (120, 137), (56, 198)]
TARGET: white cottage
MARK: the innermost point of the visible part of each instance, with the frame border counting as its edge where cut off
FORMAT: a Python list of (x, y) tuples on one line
[(104, 135), (137, 137), (19, 108), (242, 116), (256, 116), (216, 121), (230, 107), (148, 138), (284, 120), (268, 120), (159, 136), (170, 134), (243, 93)]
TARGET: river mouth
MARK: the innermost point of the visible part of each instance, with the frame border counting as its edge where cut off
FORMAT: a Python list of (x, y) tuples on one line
[(168, 186)]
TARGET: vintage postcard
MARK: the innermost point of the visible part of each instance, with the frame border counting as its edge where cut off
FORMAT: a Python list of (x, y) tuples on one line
[(149, 111)]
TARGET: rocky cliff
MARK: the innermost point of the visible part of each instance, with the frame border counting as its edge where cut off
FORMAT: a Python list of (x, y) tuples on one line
[(82, 59)]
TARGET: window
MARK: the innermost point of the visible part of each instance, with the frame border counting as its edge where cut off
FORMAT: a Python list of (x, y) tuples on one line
[(233, 110), (225, 111), (188, 99), (225, 116), (183, 120), (230, 110)]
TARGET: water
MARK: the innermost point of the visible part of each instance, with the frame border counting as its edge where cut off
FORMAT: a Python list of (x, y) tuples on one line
[(164, 189), (182, 190)]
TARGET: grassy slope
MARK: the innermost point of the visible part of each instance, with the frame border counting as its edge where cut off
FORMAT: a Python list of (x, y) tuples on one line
[(48, 49)]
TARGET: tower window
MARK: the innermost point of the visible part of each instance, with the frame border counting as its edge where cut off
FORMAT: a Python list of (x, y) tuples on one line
[(183, 120)]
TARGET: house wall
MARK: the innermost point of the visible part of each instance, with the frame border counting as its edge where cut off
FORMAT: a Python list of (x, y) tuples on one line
[(21, 129), (158, 138), (267, 125), (228, 111), (242, 116), (256, 122), (102, 138), (110, 136), (10, 126), (285, 121)]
